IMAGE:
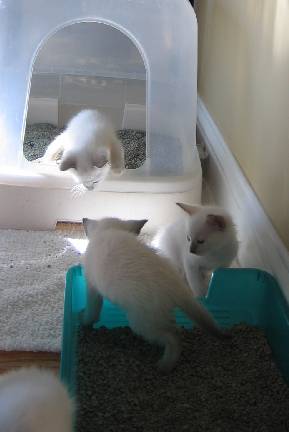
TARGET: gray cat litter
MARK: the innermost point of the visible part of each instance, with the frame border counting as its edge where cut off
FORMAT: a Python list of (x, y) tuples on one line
[(216, 387), (134, 144), (39, 136)]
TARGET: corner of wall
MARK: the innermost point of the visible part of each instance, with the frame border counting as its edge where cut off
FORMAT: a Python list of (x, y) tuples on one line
[(260, 245)]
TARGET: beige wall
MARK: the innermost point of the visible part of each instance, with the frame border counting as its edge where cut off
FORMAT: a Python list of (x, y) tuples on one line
[(244, 83)]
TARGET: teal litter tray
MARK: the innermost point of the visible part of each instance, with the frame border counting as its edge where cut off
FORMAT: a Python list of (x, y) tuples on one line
[(250, 296)]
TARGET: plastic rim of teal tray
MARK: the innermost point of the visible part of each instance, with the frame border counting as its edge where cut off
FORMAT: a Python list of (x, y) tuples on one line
[(249, 296)]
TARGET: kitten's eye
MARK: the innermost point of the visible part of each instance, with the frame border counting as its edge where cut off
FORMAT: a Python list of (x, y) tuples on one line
[(189, 238), (200, 241)]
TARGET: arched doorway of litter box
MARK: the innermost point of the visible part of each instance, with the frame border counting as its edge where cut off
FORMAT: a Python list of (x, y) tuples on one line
[(87, 65)]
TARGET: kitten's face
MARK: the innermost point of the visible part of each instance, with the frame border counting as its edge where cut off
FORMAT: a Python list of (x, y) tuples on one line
[(88, 170), (205, 234), (206, 229), (91, 176)]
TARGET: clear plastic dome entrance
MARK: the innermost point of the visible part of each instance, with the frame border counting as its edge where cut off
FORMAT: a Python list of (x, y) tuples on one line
[(87, 65), (165, 34)]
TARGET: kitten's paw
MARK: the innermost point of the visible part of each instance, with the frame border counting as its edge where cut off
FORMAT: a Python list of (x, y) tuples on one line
[(88, 318)]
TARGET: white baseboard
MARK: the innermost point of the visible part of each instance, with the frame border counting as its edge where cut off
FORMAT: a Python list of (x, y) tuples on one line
[(260, 245)]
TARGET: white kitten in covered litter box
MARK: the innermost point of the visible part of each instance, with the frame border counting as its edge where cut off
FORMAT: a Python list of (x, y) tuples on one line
[(34, 400), (202, 241), (89, 146), (145, 285)]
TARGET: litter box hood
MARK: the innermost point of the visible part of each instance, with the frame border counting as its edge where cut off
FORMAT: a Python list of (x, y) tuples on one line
[(165, 34)]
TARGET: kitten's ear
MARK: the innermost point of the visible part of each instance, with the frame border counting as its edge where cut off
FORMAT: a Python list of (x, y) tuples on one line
[(68, 161), (188, 208), (217, 221), (135, 226), (88, 225)]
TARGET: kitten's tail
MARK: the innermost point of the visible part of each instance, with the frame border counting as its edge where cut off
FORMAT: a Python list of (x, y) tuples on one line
[(198, 314)]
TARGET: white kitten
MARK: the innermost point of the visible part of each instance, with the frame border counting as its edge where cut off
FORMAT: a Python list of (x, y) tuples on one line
[(87, 145), (34, 400), (204, 241), (145, 285)]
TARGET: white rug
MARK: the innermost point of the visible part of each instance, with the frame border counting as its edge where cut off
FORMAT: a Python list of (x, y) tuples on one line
[(33, 265)]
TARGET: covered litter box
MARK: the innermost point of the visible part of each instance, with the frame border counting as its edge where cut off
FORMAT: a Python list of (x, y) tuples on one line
[(136, 61)]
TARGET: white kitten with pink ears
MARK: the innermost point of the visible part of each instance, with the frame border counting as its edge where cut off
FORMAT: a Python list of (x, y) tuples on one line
[(89, 147), (144, 284), (203, 241)]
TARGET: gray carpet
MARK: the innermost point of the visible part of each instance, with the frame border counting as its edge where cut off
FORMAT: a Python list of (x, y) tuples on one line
[(33, 265)]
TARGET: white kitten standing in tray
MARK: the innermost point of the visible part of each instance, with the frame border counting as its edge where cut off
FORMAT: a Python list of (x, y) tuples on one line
[(145, 285), (89, 146), (34, 400), (203, 241)]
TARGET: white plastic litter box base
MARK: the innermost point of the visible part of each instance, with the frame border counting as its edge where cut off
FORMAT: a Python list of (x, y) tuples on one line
[(33, 202)]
